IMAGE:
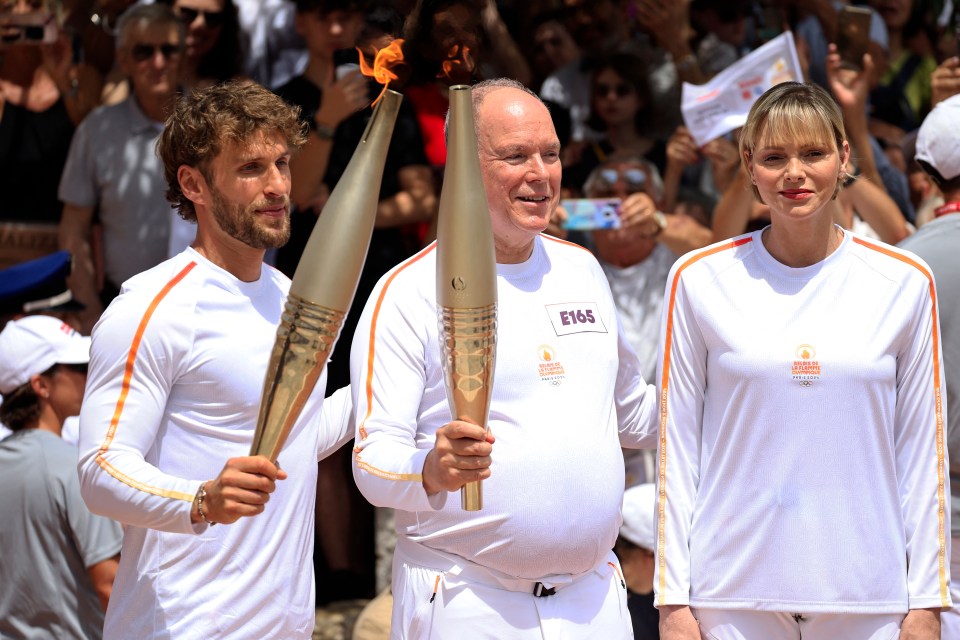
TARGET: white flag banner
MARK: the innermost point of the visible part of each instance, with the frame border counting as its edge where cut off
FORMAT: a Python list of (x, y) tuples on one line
[(720, 106)]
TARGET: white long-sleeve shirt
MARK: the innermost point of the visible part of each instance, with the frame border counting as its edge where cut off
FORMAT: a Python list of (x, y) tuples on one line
[(176, 375), (802, 460), (567, 394)]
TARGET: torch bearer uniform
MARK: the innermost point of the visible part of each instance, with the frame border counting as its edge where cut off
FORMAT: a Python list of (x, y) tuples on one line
[(802, 463), (567, 394), (176, 374)]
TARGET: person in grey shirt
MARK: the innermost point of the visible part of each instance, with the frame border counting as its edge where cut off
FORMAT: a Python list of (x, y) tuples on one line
[(112, 169), (58, 559), (937, 242)]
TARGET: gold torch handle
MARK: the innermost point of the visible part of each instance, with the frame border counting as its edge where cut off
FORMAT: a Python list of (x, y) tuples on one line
[(305, 338), (471, 496), (469, 346)]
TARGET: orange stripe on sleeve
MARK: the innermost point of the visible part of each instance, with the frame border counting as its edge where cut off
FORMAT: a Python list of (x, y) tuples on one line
[(386, 475), (368, 386), (941, 485), (664, 381), (125, 390)]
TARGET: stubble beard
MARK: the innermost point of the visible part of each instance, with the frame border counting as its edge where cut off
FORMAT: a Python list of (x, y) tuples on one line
[(243, 223)]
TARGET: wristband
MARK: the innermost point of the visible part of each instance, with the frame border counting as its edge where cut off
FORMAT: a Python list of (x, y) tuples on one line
[(201, 494)]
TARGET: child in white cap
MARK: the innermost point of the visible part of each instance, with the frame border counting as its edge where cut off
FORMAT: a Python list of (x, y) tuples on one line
[(58, 559), (43, 371)]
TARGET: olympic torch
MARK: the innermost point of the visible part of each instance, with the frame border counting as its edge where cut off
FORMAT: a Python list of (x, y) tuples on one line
[(324, 283), (466, 280)]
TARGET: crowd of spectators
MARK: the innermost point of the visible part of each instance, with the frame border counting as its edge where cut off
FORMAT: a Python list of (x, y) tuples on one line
[(84, 99)]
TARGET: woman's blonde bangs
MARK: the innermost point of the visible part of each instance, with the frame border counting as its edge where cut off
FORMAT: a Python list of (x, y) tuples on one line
[(798, 123)]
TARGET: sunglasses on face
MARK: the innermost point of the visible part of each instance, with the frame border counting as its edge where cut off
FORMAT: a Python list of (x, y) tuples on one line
[(212, 19), (620, 90), (143, 52)]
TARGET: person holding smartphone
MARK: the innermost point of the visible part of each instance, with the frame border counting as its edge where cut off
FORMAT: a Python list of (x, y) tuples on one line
[(636, 259), (44, 94), (637, 256)]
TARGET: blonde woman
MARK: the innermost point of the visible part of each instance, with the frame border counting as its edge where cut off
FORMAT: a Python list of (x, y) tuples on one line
[(801, 462)]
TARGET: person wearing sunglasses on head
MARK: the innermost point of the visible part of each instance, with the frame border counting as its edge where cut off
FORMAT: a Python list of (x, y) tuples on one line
[(214, 48), (58, 559), (112, 167), (621, 111), (636, 258)]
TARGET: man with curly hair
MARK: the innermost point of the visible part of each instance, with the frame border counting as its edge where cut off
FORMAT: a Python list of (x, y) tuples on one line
[(176, 371)]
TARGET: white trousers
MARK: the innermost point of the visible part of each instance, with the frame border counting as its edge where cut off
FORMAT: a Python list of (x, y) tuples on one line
[(451, 598), (738, 624), (950, 620)]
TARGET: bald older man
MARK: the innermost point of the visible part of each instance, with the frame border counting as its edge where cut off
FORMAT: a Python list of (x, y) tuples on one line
[(537, 561)]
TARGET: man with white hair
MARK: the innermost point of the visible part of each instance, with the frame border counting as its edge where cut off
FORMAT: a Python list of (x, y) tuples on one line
[(536, 563)]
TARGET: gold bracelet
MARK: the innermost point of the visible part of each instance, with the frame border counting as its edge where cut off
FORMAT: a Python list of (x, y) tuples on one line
[(201, 494)]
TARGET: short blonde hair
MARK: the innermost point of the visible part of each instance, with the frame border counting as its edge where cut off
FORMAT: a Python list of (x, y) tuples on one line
[(796, 111)]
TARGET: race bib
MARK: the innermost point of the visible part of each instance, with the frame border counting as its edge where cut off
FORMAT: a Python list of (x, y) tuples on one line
[(575, 317)]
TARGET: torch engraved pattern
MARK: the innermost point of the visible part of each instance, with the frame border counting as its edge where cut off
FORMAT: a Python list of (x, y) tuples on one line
[(469, 346), (466, 280), (324, 284), (305, 338)]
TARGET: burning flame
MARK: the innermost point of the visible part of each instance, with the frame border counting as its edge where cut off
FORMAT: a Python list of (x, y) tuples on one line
[(386, 58), (459, 63)]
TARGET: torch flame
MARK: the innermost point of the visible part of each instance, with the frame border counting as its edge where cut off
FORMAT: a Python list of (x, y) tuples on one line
[(383, 63), (459, 63)]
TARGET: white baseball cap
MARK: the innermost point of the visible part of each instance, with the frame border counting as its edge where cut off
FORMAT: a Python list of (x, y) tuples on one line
[(33, 344), (938, 141), (639, 506)]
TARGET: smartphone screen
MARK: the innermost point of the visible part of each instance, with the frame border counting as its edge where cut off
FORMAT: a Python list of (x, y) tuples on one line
[(853, 35), (586, 214)]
